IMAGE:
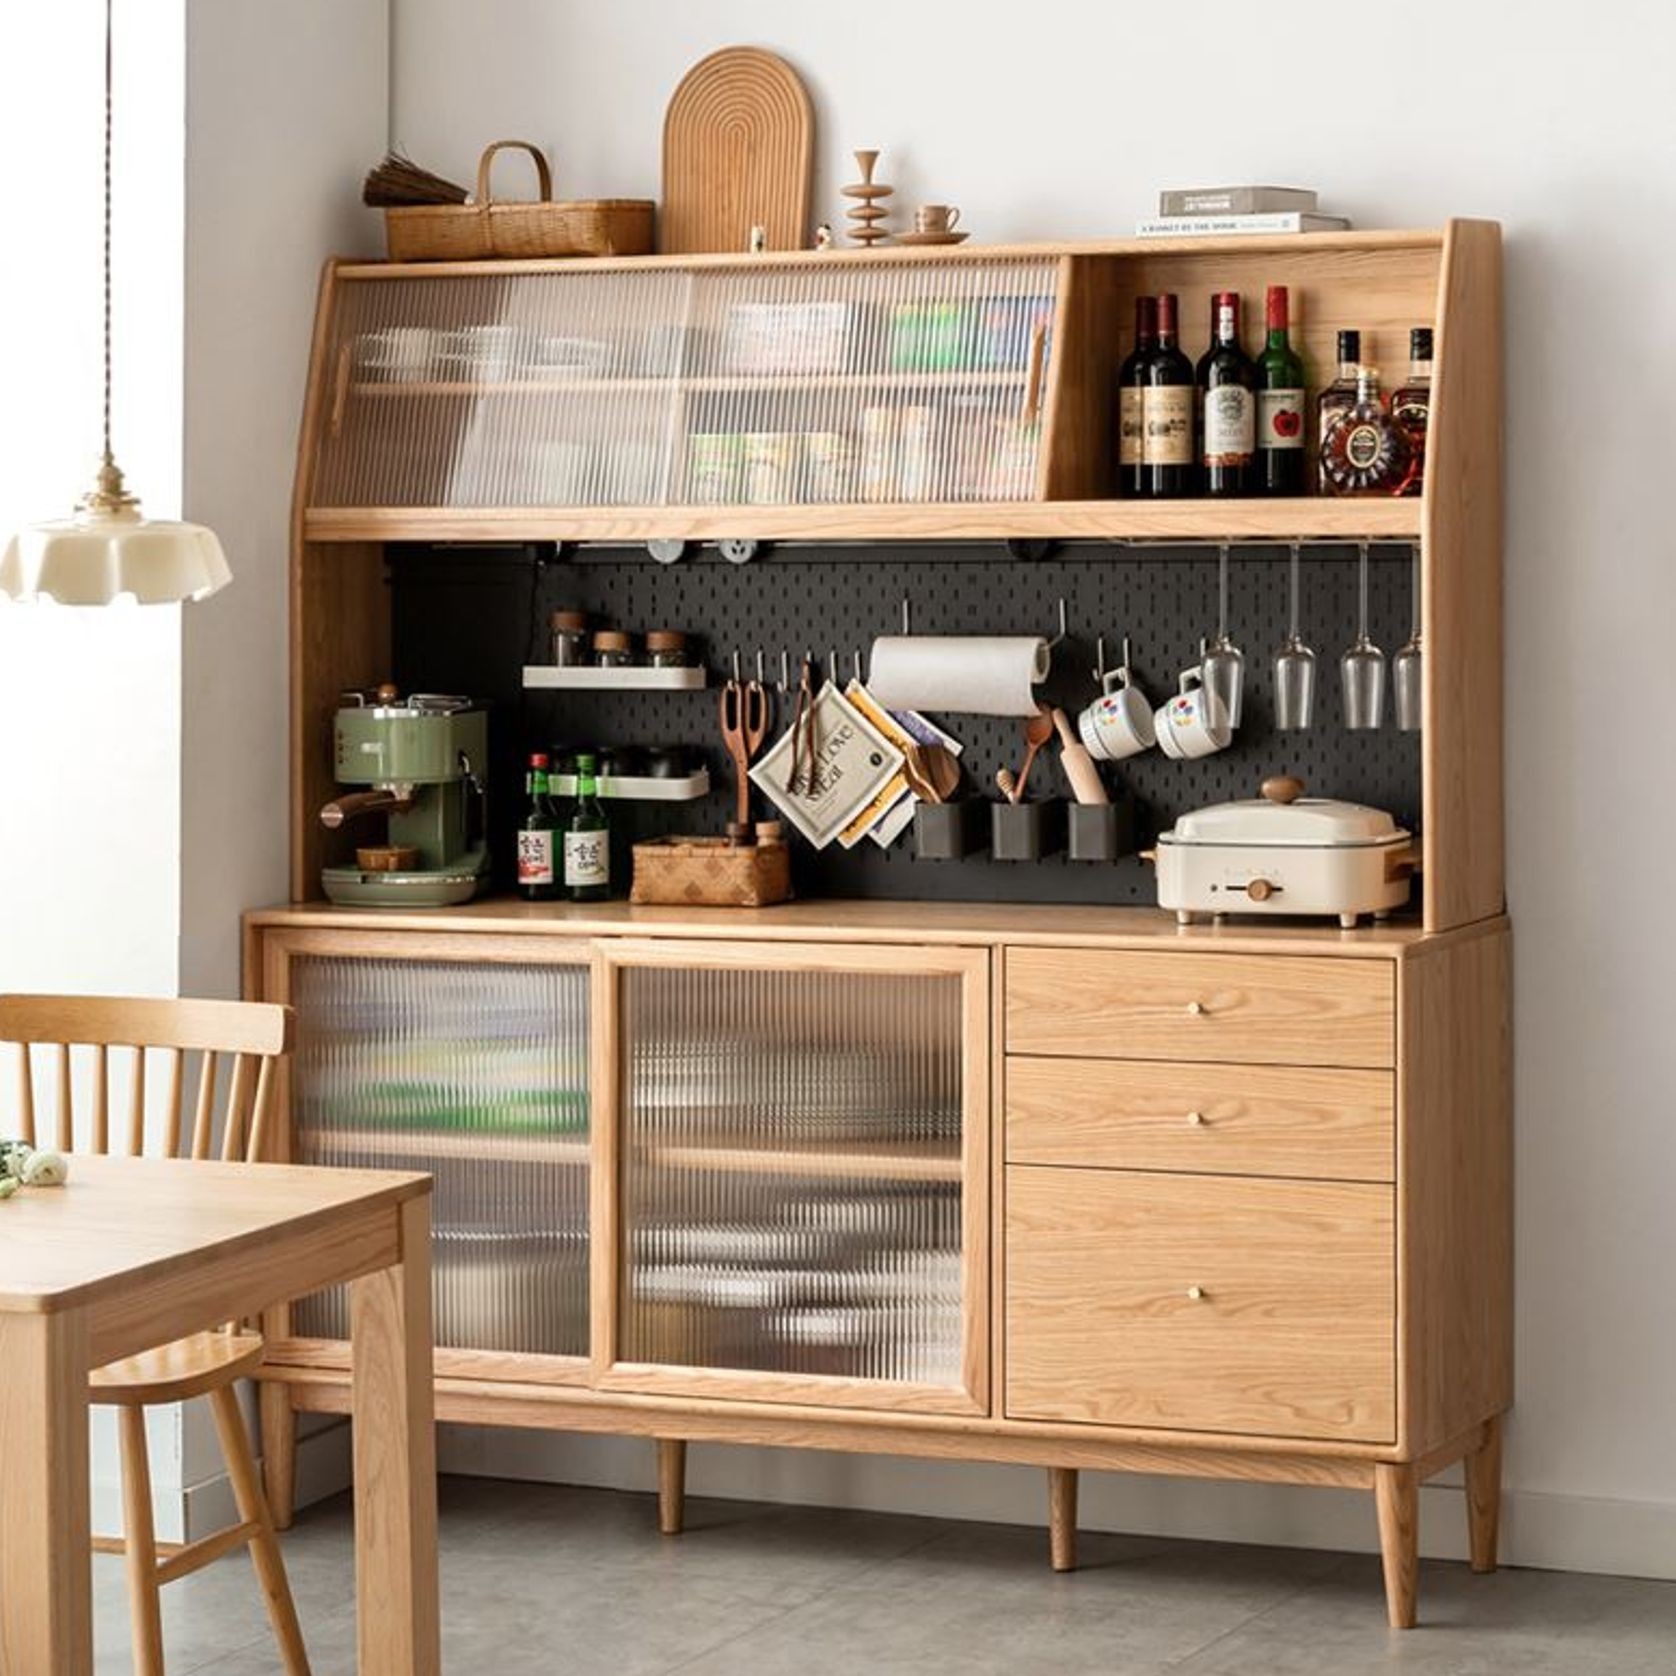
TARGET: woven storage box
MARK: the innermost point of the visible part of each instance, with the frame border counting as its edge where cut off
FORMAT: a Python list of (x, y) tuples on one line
[(483, 228), (710, 873)]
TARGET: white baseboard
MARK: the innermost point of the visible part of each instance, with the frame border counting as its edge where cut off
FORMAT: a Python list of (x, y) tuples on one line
[(1550, 1532)]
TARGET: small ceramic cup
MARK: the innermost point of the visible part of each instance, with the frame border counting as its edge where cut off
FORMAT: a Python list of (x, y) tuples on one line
[(1119, 722), (1195, 722), (936, 218)]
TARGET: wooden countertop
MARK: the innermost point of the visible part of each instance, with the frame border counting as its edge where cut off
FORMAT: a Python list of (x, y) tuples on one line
[(883, 922)]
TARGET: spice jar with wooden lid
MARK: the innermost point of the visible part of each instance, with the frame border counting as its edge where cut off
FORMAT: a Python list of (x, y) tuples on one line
[(570, 638), (613, 649), (666, 649)]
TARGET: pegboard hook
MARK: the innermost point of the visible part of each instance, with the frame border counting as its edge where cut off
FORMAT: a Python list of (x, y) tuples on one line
[(907, 617), (1063, 620), (1100, 661)]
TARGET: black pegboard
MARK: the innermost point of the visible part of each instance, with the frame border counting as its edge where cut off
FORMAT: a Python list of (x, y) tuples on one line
[(466, 619)]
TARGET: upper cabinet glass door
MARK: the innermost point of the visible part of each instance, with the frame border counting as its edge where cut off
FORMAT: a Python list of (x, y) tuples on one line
[(801, 1139), (789, 383)]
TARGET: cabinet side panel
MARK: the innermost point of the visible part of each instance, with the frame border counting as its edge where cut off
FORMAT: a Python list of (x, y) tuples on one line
[(340, 637), (1462, 614), (1455, 1183)]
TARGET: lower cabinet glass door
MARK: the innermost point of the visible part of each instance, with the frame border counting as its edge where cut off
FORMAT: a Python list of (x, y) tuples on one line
[(801, 1146), (476, 1072)]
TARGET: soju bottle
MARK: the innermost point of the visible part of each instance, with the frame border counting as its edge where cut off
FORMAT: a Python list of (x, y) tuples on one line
[(538, 879), (587, 841)]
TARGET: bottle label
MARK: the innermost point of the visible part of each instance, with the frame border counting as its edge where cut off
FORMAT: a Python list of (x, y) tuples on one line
[(535, 858), (1280, 418), (1130, 430), (1167, 410), (1363, 445), (587, 858), (1230, 425)]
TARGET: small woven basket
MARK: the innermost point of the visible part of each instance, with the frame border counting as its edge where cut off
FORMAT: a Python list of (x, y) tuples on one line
[(484, 228), (710, 873)]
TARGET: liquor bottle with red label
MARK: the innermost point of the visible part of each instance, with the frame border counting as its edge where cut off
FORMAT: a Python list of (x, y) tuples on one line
[(1227, 405), (538, 879), (1411, 406), (1281, 456)]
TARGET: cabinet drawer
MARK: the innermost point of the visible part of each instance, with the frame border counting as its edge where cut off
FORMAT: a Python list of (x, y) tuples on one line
[(1258, 1120), (1256, 1009), (1201, 1303)]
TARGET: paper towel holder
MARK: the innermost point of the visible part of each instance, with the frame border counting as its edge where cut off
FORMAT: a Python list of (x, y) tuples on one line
[(1052, 641)]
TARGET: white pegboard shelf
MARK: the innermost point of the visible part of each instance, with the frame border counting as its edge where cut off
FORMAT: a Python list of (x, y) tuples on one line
[(641, 788), (640, 679)]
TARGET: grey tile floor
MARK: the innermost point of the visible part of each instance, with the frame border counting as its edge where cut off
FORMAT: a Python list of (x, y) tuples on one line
[(569, 1582)]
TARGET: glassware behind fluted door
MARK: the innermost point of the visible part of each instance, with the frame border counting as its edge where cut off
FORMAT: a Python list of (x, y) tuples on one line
[(1223, 663), (1407, 667), (1362, 668), (1294, 664)]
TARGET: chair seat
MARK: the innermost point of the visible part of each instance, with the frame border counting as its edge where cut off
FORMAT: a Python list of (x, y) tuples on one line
[(187, 1367)]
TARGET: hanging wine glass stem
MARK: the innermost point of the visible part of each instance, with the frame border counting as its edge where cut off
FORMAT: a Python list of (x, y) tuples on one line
[(1414, 598), (1293, 581), (1222, 592), (1362, 596)]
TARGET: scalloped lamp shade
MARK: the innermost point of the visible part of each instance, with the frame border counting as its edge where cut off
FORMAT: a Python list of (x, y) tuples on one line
[(101, 553)]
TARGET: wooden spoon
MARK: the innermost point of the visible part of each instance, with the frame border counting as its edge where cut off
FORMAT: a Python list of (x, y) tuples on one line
[(941, 767), (1037, 731)]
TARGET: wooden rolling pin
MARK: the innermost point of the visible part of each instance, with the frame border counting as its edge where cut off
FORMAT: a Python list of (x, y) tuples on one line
[(1077, 763)]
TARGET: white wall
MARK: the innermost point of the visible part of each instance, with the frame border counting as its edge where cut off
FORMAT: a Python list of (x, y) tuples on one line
[(1064, 118), (286, 108)]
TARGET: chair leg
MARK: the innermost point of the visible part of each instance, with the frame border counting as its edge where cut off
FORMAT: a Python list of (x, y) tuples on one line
[(672, 1485), (279, 1451), (264, 1546), (1397, 1494), (145, 1609), (1483, 1497), (1062, 1518)]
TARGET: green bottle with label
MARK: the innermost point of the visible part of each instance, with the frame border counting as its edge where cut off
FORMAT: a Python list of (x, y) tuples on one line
[(587, 841)]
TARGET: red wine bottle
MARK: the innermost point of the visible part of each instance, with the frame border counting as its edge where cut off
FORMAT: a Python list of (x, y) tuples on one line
[(1167, 410), (1281, 458), (1131, 380), (1227, 404)]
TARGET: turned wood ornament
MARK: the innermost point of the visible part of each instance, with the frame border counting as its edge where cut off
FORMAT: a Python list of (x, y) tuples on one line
[(866, 217)]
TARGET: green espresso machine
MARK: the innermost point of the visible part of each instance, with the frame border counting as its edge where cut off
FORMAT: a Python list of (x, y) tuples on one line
[(421, 760)]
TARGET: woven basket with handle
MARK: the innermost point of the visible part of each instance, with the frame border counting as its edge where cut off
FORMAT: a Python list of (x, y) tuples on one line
[(485, 228)]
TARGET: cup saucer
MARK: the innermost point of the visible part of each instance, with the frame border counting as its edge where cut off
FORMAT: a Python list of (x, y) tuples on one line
[(931, 238)]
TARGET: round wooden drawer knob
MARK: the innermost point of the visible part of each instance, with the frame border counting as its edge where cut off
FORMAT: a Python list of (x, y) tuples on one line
[(1196, 1118), (1195, 1293), (1196, 1009)]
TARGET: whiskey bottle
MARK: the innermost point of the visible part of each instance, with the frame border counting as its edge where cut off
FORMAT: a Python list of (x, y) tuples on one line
[(1167, 409), (1411, 406), (1338, 395), (1280, 404), (1366, 451), (1131, 383)]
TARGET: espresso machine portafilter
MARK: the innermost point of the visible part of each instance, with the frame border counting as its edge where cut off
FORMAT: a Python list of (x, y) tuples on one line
[(421, 760)]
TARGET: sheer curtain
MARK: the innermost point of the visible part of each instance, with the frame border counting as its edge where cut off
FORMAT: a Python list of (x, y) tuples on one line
[(89, 699)]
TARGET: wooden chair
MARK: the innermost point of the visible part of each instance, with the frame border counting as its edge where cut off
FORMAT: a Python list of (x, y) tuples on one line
[(206, 1364)]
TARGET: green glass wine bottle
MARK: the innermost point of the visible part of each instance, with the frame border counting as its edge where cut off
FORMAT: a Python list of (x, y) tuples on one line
[(1281, 456)]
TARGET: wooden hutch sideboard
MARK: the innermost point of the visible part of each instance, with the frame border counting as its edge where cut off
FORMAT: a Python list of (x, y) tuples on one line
[(1065, 1185)]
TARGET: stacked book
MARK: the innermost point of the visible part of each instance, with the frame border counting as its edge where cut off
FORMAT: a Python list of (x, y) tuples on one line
[(1208, 211)]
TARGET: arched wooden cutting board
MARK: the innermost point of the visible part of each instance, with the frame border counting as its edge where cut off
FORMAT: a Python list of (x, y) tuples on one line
[(738, 145)]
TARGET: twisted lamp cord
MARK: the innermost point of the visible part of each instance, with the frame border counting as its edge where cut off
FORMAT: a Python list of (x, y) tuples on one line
[(107, 246)]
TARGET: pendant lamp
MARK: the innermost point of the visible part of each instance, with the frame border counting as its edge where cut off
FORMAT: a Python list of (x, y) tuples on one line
[(106, 548)]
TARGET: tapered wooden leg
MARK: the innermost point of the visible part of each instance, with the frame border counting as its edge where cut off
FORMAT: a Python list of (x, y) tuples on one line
[(1483, 1495), (398, 1630), (279, 1451), (46, 1545), (1397, 1493), (139, 1546), (1062, 1517), (264, 1547), (672, 1485)]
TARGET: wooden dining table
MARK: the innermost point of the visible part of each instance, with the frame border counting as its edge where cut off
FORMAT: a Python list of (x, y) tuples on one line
[(133, 1252)]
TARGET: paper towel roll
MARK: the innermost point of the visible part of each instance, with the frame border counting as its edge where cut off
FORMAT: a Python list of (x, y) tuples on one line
[(975, 675)]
